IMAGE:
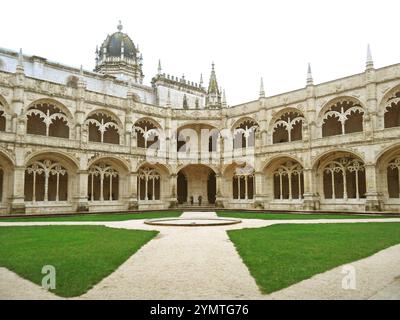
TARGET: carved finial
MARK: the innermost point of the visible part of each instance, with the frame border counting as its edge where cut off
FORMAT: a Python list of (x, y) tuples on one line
[(169, 98), (20, 64), (262, 91), (310, 80), (370, 63), (223, 99), (159, 66), (119, 27)]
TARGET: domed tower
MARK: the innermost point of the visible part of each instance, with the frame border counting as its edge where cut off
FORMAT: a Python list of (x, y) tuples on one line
[(118, 56)]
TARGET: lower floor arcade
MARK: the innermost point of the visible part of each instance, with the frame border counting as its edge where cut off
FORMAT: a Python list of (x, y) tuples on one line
[(336, 181)]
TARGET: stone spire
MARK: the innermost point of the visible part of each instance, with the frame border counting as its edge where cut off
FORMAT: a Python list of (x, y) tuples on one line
[(159, 70), (370, 63), (20, 64), (223, 99), (201, 80), (262, 91), (81, 81), (213, 99), (310, 80), (213, 84)]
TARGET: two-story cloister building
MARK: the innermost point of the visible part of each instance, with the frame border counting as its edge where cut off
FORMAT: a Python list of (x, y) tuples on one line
[(75, 141)]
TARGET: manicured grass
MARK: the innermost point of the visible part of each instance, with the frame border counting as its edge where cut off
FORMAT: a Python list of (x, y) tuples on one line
[(99, 217), (295, 216), (282, 255), (82, 255)]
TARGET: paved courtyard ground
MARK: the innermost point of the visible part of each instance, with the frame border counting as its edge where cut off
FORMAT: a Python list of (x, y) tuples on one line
[(202, 263)]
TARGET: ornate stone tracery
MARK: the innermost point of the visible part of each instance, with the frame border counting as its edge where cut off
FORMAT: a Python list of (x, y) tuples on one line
[(343, 175), (46, 119), (289, 178), (291, 123), (393, 169), (103, 182), (39, 182), (343, 117), (149, 184), (103, 128)]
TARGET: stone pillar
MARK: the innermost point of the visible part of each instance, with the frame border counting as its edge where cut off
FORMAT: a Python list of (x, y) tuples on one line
[(219, 203), (133, 197), (374, 198), (259, 196), (82, 191), (311, 198), (173, 189), (18, 192)]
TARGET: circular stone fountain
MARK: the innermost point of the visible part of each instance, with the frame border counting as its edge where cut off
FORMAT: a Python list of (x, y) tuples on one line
[(192, 222)]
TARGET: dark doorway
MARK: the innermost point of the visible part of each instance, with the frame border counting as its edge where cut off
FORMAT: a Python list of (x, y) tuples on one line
[(211, 188), (182, 188)]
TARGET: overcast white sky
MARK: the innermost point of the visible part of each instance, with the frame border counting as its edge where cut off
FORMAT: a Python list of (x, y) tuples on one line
[(246, 39)]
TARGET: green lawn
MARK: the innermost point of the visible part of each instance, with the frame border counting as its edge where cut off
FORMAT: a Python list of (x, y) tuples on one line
[(295, 216), (99, 217), (82, 255), (282, 255)]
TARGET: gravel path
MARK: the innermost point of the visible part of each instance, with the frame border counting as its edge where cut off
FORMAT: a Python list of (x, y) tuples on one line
[(202, 263)]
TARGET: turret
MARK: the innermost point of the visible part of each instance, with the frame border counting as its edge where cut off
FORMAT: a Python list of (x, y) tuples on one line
[(213, 99)]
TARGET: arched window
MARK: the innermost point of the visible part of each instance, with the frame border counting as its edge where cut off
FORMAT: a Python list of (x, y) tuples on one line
[(147, 133), (288, 128), (392, 112), (2, 118), (103, 128), (148, 184), (243, 184), (46, 181), (47, 120), (1, 183), (343, 117), (344, 178), (244, 134), (103, 183), (289, 181), (393, 178)]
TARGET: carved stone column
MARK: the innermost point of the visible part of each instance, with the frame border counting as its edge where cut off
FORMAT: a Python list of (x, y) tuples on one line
[(82, 191), (374, 198), (311, 197), (18, 197), (173, 188), (133, 198)]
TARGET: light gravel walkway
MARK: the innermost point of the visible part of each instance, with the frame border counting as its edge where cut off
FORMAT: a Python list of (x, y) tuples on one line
[(202, 263)]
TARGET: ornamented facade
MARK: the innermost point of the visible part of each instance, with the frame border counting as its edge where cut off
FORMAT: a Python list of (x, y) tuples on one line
[(77, 141)]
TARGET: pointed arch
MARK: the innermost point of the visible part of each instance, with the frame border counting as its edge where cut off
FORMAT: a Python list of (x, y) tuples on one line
[(390, 107), (103, 126), (341, 116), (148, 132), (48, 118), (342, 176), (287, 125), (49, 177), (244, 132)]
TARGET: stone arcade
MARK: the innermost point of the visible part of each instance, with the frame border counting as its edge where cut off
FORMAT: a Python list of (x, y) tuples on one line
[(75, 141)]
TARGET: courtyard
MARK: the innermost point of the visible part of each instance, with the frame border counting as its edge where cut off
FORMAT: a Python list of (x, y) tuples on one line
[(266, 256)]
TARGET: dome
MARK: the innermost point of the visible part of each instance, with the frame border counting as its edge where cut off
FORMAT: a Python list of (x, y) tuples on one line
[(119, 57), (112, 46)]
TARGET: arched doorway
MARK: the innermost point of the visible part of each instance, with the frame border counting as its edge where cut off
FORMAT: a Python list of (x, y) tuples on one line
[(196, 185), (182, 188), (211, 188)]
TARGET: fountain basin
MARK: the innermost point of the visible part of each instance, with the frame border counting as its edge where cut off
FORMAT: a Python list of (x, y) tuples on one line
[(192, 222)]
